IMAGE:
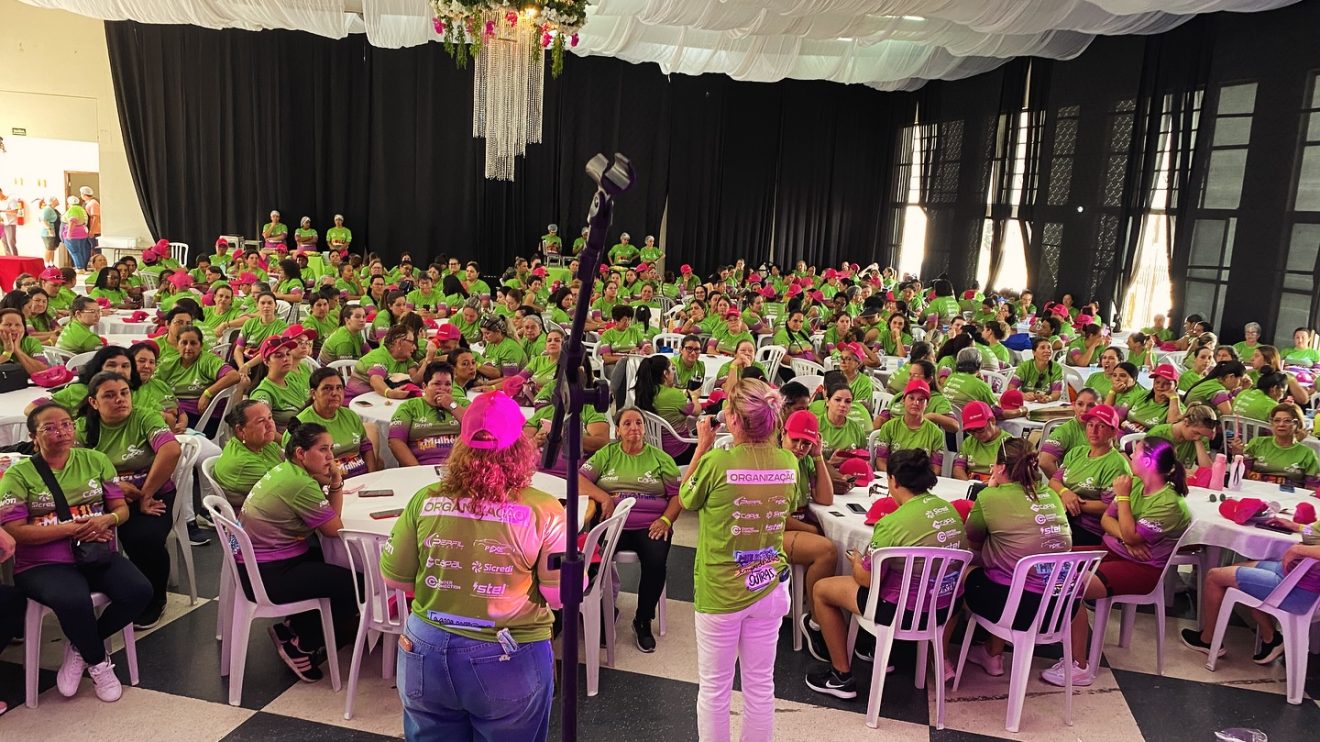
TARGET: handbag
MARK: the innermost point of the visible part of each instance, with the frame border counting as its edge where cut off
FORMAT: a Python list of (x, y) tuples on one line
[(12, 377), (85, 553)]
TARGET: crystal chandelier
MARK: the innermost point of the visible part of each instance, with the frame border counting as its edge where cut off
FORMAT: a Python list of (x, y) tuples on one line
[(509, 45)]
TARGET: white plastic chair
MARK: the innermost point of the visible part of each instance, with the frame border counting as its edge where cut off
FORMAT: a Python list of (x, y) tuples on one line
[(1073, 377), (670, 340), (998, 382), (1295, 627), (940, 573), (811, 381), (76, 362), (344, 367), (1068, 575), (803, 367), (311, 363), (797, 602), (213, 409), (604, 536), (880, 399), (219, 502), (32, 620), (1128, 617), (183, 486), (1250, 428), (234, 644), (657, 428), (221, 350), (382, 609), (1049, 427), (770, 357), (179, 252), (56, 356)]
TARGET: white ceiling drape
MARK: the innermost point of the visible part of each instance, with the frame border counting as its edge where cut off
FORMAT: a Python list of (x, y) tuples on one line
[(887, 44)]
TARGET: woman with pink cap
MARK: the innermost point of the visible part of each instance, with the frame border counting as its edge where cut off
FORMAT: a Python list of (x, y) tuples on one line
[(803, 543), (458, 644), (1084, 481)]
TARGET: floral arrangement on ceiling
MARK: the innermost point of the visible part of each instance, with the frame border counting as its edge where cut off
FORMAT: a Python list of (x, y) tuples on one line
[(467, 26)]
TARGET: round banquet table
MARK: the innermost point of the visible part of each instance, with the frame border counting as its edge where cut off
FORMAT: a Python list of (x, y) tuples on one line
[(848, 530), (116, 323), (406, 482), (377, 410), (1022, 425), (13, 425)]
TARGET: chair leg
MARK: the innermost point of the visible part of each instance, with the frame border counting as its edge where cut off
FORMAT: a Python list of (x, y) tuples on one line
[(32, 651), (355, 664), (1101, 621), (331, 646), (1296, 643), (1017, 683), (962, 654), (663, 612), (1221, 626), (853, 628), (240, 628), (388, 644), (799, 576), (920, 680), (1160, 620), (879, 669), (185, 551), (590, 644), (937, 647), (1127, 619), (130, 653)]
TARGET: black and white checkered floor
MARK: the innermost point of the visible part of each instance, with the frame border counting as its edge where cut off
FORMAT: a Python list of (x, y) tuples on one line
[(653, 697)]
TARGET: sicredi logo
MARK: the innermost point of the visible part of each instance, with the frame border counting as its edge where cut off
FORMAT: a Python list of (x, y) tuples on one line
[(761, 476)]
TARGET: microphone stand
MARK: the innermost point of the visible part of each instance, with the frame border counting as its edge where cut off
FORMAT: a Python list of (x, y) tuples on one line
[(570, 398)]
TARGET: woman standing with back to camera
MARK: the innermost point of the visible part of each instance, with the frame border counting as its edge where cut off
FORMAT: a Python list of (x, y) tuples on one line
[(741, 496)]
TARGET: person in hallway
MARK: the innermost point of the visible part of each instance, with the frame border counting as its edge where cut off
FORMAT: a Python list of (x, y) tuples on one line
[(51, 221), (477, 663), (8, 224), (93, 208), (77, 237)]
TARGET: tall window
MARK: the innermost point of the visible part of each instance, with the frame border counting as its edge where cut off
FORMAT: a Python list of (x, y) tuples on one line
[(910, 238), (1298, 271), (1011, 272)]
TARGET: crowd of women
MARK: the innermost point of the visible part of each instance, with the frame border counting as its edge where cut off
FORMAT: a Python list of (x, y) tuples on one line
[(460, 359)]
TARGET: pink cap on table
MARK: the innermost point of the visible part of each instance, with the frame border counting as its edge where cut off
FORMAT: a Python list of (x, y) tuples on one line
[(492, 422), (1241, 511), (860, 469), (1304, 513)]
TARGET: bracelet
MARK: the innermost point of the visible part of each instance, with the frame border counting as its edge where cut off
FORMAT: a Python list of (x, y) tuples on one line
[(115, 515), (667, 521), (1123, 499)]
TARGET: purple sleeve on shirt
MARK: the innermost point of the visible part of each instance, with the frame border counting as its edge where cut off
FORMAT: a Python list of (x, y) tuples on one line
[(377, 370), (364, 446), (1056, 387), (1014, 383), (1221, 398), (1052, 448), (318, 517), (1058, 474), (112, 492), (225, 370), (163, 437), (605, 349), (399, 430)]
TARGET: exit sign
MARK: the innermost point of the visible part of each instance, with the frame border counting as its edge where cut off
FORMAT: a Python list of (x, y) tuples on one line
[(16, 131)]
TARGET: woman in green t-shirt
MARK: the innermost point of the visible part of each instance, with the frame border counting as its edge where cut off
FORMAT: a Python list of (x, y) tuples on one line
[(249, 453), (42, 325), (981, 445), (346, 342), (839, 431), (1257, 403), (1218, 387), (144, 454), (278, 387), (389, 367), (258, 328), (1039, 377), (424, 428), (1159, 405), (355, 445), (897, 339), (1280, 457), (1302, 353), (79, 335), (655, 392), (107, 287), (1124, 391), (304, 236), (194, 377), (15, 344), (1083, 480), (1102, 380)]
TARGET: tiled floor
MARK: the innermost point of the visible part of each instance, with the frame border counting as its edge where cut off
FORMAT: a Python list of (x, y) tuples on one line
[(653, 697)]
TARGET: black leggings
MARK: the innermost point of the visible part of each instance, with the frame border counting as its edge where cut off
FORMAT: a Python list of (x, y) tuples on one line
[(653, 554), (13, 604), (67, 590), (303, 578), (143, 538)]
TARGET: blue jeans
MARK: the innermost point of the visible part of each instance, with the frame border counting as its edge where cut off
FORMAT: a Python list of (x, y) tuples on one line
[(456, 688), (80, 251), (1260, 581)]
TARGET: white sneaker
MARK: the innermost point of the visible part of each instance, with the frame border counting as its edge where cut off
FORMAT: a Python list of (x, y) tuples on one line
[(1054, 675), (993, 665), (71, 671), (108, 687)]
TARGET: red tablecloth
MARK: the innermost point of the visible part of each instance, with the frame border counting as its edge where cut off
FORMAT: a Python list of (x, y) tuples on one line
[(12, 266)]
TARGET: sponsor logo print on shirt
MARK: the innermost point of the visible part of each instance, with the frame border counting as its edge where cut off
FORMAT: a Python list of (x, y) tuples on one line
[(435, 583), (435, 542), (761, 476)]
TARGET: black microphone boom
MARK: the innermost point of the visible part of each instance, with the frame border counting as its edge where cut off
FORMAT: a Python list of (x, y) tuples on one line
[(570, 398)]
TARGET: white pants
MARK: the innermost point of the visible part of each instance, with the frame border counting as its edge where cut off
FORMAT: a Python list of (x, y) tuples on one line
[(749, 638)]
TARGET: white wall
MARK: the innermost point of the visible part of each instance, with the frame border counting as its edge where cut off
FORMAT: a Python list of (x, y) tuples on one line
[(55, 82)]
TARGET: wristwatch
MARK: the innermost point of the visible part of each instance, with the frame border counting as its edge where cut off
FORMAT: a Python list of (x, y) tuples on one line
[(453, 405)]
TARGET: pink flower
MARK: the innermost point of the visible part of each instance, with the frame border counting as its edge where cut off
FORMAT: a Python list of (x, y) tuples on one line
[(573, 41), (490, 28), (545, 40), (439, 25), (511, 17)]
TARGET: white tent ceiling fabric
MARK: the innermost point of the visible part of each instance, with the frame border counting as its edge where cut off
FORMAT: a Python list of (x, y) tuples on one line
[(886, 44)]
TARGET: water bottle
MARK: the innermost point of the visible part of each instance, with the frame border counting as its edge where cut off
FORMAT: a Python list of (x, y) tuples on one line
[(1238, 470), (1217, 472)]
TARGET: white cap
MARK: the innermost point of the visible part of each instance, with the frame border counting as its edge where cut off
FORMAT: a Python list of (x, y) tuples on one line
[(625, 236), (274, 213), (85, 190)]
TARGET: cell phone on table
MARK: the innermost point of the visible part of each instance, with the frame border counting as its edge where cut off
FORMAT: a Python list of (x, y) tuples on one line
[(1285, 487), (377, 493), (836, 514), (383, 514), (857, 508), (1270, 525), (362, 402)]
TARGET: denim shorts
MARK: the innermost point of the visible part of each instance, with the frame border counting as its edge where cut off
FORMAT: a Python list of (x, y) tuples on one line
[(1259, 581)]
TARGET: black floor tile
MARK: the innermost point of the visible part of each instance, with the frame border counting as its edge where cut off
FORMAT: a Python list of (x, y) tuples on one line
[(183, 658), (263, 727), (632, 707), (13, 688), (1168, 709), (678, 577), (957, 735)]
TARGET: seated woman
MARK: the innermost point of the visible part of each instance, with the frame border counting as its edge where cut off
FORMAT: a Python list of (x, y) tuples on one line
[(726, 336), (632, 469), (1258, 579), (107, 287), (744, 358), (1219, 386), (595, 435), (1159, 405), (1257, 402), (1068, 435), (920, 351), (839, 430), (194, 377), (389, 315), (911, 430), (41, 321), (837, 599), (1084, 479), (45, 568), (851, 357), (1124, 391), (290, 286), (1039, 378), (938, 409), (655, 393), (1190, 435), (390, 366), (964, 385), (1086, 348), (981, 445), (423, 429), (803, 542), (1101, 380), (796, 340), (896, 339), (1013, 518), (224, 314), (250, 452), (285, 392), (355, 444), (265, 324), (175, 321), (144, 453), (346, 342), (16, 346), (79, 335), (502, 355), (1141, 528), (299, 497), (1280, 458), (111, 358), (1303, 352)]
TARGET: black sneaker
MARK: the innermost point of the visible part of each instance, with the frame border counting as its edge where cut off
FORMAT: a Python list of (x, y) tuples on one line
[(149, 618), (832, 683), (204, 522), (815, 640), (865, 648), (286, 644), (1192, 638), (645, 641), (196, 536), (1271, 651)]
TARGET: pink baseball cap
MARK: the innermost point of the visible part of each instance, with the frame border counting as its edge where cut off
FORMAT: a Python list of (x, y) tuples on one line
[(860, 469), (685, 269), (1012, 399), (879, 509), (854, 348), (52, 275), (1105, 414), (492, 422), (447, 332), (296, 331), (1165, 371), (803, 424), (1241, 511), (754, 278), (538, 271), (732, 313), (274, 344), (181, 279), (976, 415), (768, 291), (917, 386), (830, 273)]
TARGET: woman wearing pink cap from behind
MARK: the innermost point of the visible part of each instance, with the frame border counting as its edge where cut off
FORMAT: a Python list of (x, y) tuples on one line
[(803, 542), (468, 632)]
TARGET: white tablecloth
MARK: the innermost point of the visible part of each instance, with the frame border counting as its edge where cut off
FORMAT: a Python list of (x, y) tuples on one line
[(116, 323), (406, 482), (127, 339), (848, 530), (1020, 425)]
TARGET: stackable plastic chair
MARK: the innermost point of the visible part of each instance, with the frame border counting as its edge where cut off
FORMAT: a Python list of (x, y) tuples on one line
[(36, 614), (1069, 573), (601, 591), (183, 485), (803, 367), (382, 610)]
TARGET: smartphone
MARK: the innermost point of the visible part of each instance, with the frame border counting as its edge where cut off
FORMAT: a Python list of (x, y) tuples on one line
[(383, 514), (856, 508), (836, 514), (1285, 487), (362, 402), (1271, 526), (441, 470), (377, 493), (714, 422)]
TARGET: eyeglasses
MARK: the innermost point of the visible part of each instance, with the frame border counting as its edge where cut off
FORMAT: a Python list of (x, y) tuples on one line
[(1285, 421), (693, 348), (55, 427)]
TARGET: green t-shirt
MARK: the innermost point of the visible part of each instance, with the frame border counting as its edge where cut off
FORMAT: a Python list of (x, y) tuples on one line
[(923, 521), (301, 233), (542, 368), (131, 445), (1253, 404), (1064, 438), (629, 340), (995, 356), (426, 301), (339, 234), (1099, 381), (850, 435), (342, 345), (477, 571), (649, 478), (623, 253), (1092, 478), (686, 375), (237, 468), (507, 355), (255, 330), (945, 306), (1146, 412), (863, 389), (188, 382), (378, 362), (741, 497), (977, 457), (1210, 392), (79, 338), (937, 405), (24, 498), (1187, 380), (429, 432), (727, 343), (349, 436), (324, 327), (1185, 450), (1300, 356), (116, 297), (285, 507), (890, 347), (275, 230), (898, 382), (1295, 464), (1161, 518), (286, 400), (1011, 526), (1028, 378), (62, 301), (962, 388), (895, 435), (650, 255)]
